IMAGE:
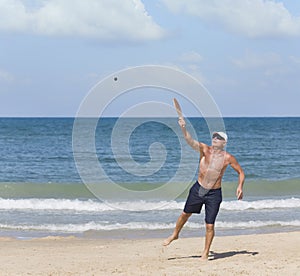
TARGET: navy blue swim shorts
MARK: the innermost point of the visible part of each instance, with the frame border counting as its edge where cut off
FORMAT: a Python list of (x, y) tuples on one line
[(210, 198)]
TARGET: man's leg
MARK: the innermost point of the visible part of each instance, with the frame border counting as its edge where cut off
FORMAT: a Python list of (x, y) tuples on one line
[(210, 233), (212, 206), (179, 224)]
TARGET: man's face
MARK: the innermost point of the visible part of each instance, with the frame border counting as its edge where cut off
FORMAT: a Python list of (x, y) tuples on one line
[(218, 141)]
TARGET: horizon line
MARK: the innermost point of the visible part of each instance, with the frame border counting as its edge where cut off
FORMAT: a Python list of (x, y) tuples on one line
[(136, 117)]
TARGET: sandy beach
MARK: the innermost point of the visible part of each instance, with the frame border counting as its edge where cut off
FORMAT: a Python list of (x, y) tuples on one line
[(266, 254)]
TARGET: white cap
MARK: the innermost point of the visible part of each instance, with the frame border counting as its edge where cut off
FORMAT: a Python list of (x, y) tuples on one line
[(222, 134)]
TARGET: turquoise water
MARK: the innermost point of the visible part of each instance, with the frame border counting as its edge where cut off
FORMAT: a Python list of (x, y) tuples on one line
[(41, 192)]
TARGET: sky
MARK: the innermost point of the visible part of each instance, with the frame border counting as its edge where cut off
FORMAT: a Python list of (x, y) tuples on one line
[(245, 53)]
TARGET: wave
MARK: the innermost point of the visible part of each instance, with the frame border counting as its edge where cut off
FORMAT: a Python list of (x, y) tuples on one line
[(54, 204), (77, 205), (44, 190), (104, 226), (264, 188), (256, 188), (261, 204)]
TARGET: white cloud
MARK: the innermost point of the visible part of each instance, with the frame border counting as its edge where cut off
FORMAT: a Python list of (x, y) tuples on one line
[(191, 57), (265, 64), (252, 18), (254, 60), (5, 76), (106, 19), (295, 59), (190, 63), (192, 69)]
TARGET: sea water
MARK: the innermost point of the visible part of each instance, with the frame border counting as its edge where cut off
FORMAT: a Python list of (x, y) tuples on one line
[(42, 192)]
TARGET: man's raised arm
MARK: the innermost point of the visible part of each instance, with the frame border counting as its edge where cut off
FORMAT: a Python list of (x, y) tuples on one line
[(193, 143)]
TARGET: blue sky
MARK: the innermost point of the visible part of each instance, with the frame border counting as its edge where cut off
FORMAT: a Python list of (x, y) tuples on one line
[(246, 53)]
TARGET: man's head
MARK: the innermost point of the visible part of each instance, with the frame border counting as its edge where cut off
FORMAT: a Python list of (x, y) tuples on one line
[(219, 139)]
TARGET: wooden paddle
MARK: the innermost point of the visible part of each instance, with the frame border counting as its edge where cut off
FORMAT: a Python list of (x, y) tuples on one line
[(178, 108)]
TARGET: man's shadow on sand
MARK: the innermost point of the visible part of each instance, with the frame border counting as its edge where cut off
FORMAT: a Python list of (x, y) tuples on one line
[(214, 256)]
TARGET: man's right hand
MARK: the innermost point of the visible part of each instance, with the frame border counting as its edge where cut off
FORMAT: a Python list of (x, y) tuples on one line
[(181, 122)]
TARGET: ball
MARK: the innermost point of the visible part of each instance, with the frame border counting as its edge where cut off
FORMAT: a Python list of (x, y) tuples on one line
[(115, 78)]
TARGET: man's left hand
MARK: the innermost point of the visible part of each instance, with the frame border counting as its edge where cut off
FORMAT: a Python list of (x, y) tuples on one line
[(239, 194)]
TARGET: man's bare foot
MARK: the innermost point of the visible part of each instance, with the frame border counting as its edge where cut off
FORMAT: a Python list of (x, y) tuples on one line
[(204, 257), (169, 240)]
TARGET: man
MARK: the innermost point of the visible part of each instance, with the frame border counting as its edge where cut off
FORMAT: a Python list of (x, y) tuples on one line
[(207, 190)]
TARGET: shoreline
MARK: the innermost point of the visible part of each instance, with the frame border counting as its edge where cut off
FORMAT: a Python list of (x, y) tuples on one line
[(134, 234), (255, 254)]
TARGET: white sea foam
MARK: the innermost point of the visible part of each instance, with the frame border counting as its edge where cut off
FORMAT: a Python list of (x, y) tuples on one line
[(77, 205), (80, 228), (85, 205), (261, 204)]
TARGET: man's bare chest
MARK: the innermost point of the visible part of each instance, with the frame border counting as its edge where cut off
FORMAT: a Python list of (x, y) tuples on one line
[(213, 162)]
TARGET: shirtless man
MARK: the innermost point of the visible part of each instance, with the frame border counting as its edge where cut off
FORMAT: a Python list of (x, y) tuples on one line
[(207, 190)]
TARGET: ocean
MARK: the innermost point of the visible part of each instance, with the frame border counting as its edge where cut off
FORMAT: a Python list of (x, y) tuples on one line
[(44, 190)]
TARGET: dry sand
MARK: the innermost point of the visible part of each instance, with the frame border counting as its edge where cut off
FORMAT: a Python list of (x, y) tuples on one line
[(267, 254)]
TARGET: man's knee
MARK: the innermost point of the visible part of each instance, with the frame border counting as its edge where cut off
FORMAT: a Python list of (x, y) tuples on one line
[(185, 215), (210, 227)]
